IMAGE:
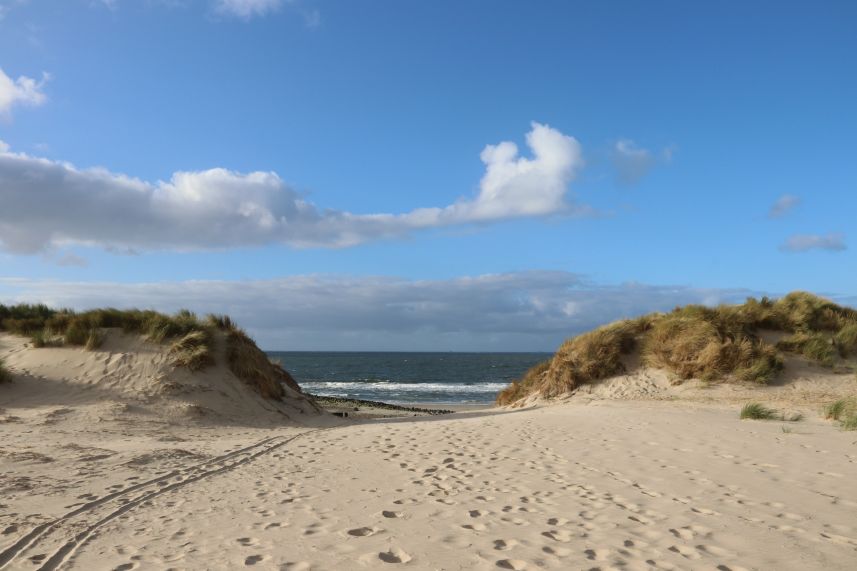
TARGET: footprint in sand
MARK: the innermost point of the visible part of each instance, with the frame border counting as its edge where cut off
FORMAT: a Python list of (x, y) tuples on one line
[(515, 564), (253, 559), (504, 544), (704, 511), (562, 535), (394, 555), (391, 514), (597, 554), (475, 526), (714, 550), (363, 531), (685, 552)]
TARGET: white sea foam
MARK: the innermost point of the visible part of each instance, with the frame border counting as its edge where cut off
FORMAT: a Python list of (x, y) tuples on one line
[(392, 387)]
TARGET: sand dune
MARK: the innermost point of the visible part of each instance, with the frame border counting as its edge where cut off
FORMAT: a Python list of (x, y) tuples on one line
[(103, 480), (131, 377)]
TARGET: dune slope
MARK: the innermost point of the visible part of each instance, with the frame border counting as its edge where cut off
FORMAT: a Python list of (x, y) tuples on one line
[(758, 343)]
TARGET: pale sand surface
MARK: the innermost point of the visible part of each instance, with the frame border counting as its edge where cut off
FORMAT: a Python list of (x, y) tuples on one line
[(105, 465), (600, 486)]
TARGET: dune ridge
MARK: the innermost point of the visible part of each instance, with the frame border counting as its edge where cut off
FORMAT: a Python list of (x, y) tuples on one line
[(164, 366), (756, 342)]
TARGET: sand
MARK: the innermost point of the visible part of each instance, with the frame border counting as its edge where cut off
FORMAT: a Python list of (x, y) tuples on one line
[(592, 483)]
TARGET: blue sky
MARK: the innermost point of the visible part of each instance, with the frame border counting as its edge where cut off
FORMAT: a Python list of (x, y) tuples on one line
[(665, 152)]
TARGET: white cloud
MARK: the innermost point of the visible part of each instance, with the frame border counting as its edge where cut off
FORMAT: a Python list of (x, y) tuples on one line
[(247, 9), (833, 242), (533, 310), (633, 162), (22, 91), (49, 203), (783, 205)]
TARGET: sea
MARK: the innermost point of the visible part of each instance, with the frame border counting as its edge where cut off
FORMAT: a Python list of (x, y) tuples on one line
[(407, 378)]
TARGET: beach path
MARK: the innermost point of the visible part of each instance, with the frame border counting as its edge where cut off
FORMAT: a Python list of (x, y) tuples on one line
[(612, 485)]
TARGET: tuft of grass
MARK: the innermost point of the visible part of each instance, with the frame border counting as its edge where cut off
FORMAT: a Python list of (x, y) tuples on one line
[(686, 345), (5, 375), (94, 339), (844, 411), (46, 338), (803, 311), (519, 389), (589, 357), (77, 332), (692, 347), (251, 365), (193, 351), (846, 340), (837, 409), (761, 367), (221, 322), (757, 411), (816, 346)]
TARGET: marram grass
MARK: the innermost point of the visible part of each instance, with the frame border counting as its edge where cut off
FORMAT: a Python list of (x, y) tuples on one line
[(709, 343), (192, 340), (757, 411)]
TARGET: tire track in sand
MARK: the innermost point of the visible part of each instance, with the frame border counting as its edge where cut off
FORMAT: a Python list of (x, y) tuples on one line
[(54, 543)]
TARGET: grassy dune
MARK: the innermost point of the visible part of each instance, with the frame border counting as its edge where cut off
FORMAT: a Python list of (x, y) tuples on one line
[(192, 341), (710, 343)]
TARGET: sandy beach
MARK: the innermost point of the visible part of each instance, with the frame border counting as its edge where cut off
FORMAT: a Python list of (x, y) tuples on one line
[(603, 485)]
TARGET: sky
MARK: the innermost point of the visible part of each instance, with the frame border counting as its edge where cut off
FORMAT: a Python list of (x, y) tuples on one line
[(446, 175)]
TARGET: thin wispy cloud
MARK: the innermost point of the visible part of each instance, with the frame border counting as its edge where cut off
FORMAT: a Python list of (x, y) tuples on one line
[(532, 310), (833, 242), (633, 162), (247, 9), (21, 91), (783, 206), (52, 204), (70, 259)]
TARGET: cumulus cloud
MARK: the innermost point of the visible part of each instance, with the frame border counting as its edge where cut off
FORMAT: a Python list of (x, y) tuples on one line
[(49, 203), (533, 310), (833, 242), (633, 162), (22, 91), (247, 9), (783, 205)]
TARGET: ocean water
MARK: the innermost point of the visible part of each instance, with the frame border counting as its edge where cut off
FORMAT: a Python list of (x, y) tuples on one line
[(407, 378)]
